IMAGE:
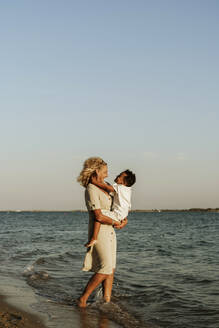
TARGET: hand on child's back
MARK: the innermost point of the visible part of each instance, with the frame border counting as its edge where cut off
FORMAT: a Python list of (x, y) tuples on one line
[(123, 223), (117, 224)]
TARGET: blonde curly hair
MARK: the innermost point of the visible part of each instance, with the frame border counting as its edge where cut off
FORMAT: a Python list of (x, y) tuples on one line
[(89, 168)]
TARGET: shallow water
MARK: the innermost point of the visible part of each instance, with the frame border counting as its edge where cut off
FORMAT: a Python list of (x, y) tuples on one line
[(167, 266)]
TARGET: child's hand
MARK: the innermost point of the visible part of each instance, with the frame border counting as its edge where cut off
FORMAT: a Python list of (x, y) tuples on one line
[(94, 180)]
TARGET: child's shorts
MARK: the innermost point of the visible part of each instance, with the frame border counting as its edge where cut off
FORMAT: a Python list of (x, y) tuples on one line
[(112, 215)]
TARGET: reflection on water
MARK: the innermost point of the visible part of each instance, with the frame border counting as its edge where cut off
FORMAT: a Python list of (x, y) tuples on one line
[(86, 321)]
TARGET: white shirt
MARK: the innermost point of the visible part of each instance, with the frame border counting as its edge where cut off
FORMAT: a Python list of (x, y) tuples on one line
[(122, 200)]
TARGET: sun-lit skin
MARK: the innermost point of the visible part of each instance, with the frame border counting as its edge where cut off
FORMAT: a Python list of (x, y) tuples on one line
[(102, 173)]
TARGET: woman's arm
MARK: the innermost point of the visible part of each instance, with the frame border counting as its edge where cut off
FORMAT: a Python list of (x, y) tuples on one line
[(105, 219)]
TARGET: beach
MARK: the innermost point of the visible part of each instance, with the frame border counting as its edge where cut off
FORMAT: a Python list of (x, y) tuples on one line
[(18, 305), (14, 317), (11, 317), (166, 275), (22, 307)]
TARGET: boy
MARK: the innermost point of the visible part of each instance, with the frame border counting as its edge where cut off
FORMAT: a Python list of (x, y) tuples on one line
[(122, 200)]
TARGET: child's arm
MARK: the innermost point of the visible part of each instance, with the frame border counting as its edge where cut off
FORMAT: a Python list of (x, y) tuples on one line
[(101, 185)]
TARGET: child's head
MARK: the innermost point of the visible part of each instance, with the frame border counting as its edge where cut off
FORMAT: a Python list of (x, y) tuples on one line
[(126, 178)]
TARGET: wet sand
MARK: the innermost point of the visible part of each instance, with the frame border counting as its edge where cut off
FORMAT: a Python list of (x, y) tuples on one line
[(20, 307), (11, 317)]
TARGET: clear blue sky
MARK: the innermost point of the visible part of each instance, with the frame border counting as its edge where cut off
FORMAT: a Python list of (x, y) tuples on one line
[(135, 82)]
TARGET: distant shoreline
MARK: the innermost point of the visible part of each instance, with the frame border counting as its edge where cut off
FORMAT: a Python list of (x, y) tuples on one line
[(133, 211)]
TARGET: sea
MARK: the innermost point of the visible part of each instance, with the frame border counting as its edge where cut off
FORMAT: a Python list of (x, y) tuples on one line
[(167, 271)]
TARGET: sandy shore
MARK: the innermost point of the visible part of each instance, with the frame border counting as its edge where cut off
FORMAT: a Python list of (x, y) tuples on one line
[(20, 307), (11, 317)]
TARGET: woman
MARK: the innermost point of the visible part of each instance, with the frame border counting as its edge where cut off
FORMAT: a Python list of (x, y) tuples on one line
[(101, 257)]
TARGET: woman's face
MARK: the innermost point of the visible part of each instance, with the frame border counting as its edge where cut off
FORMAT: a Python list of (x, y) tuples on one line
[(102, 173)]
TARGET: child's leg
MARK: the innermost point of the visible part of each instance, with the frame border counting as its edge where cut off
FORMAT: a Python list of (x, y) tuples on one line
[(113, 215), (97, 224), (96, 230)]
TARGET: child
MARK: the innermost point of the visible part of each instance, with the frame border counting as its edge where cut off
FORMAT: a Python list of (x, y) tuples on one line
[(122, 200)]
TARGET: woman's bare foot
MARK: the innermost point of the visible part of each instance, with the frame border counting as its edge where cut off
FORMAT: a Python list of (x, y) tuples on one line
[(91, 243), (81, 303), (107, 298)]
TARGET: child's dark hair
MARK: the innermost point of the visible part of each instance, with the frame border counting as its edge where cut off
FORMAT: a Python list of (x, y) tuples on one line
[(130, 178)]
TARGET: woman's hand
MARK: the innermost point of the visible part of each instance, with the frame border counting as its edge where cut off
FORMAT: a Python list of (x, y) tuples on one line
[(122, 224), (117, 224)]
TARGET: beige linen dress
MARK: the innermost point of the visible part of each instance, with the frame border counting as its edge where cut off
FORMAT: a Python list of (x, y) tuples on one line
[(101, 257)]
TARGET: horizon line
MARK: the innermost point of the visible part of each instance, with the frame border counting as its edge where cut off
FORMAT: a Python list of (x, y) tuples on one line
[(134, 210)]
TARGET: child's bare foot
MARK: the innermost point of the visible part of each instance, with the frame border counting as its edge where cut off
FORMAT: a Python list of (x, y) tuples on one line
[(81, 303), (91, 243)]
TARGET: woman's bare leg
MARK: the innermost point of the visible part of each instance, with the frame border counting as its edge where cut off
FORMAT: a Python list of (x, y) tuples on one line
[(107, 287), (94, 281)]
